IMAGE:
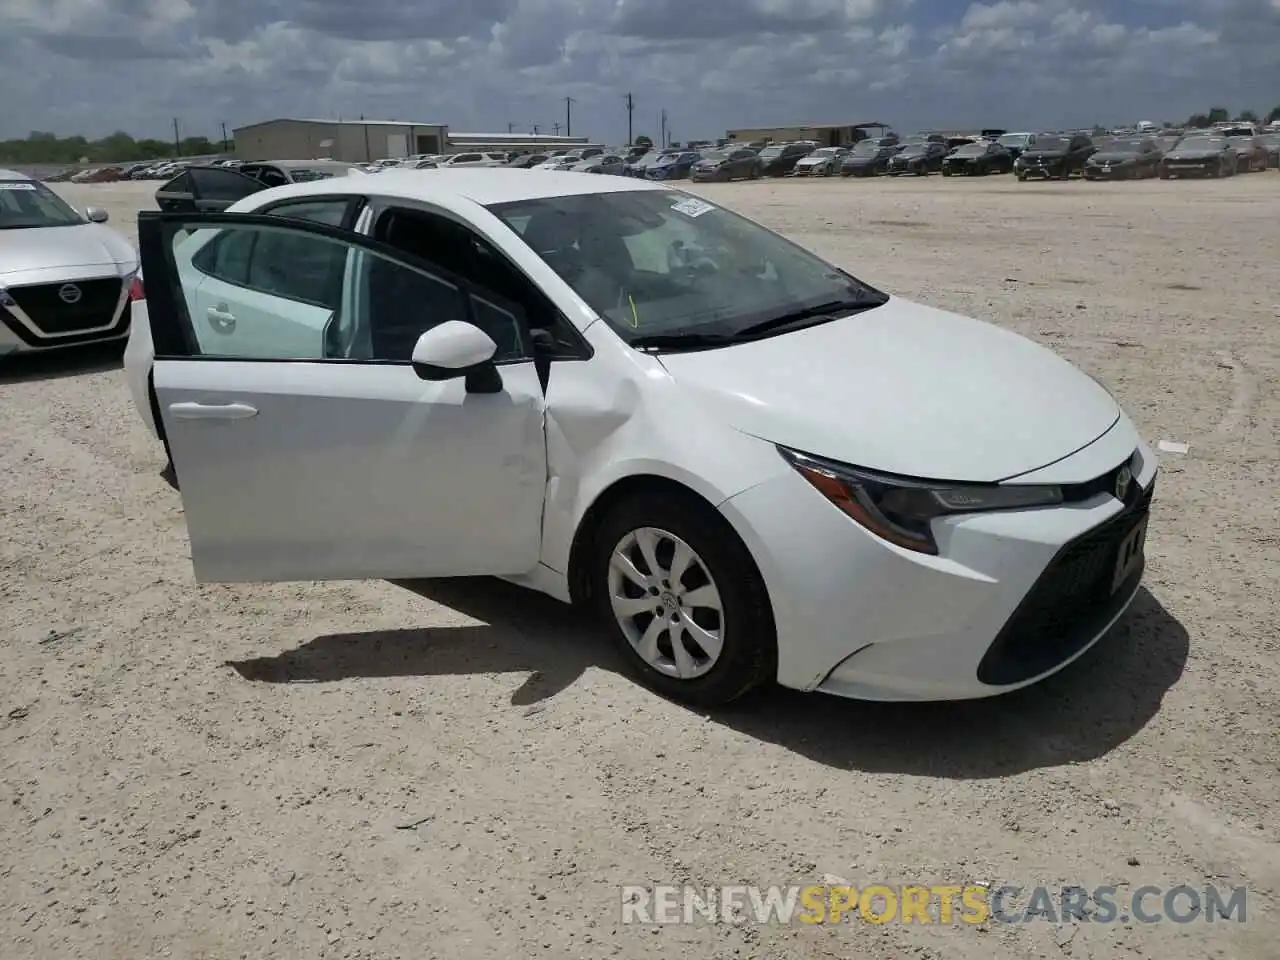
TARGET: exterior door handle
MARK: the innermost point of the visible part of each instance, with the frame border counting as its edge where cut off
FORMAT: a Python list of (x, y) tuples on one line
[(212, 411), (222, 319)]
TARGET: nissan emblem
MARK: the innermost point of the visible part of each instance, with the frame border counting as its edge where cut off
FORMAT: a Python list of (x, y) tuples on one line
[(69, 293)]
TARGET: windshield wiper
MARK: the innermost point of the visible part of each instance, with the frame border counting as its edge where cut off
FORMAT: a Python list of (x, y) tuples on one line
[(682, 341), (819, 312)]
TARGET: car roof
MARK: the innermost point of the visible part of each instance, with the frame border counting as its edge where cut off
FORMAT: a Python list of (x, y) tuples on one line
[(14, 175), (482, 185)]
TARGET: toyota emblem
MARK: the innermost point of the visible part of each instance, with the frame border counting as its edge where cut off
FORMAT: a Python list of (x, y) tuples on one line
[(69, 293), (1124, 476)]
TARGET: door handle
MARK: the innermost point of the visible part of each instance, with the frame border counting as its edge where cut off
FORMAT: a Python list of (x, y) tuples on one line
[(222, 319), (212, 411)]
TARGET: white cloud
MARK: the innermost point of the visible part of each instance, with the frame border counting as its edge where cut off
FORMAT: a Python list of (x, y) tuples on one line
[(94, 66)]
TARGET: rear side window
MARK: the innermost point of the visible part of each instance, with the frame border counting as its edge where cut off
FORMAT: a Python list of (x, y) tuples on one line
[(219, 184)]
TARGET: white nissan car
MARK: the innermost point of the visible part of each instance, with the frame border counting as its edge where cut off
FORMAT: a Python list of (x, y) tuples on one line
[(65, 278), (753, 464)]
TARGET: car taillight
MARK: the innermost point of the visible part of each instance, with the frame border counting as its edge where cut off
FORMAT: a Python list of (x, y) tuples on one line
[(136, 292)]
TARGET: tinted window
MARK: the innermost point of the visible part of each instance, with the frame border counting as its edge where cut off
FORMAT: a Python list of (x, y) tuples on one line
[(226, 257), (297, 266), (332, 212), (219, 184)]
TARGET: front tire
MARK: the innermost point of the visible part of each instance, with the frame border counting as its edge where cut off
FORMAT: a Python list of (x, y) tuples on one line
[(684, 600)]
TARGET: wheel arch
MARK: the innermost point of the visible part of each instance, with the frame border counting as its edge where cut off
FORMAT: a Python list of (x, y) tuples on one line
[(621, 490)]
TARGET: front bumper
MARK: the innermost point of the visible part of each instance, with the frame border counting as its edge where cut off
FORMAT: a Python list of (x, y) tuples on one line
[(1042, 169), (1194, 168), (1114, 171), (34, 319), (1014, 596), (861, 169)]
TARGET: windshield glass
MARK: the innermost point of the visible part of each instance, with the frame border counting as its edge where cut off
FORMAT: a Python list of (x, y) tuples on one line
[(867, 148), (825, 152), (1127, 145), (715, 155), (771, 152), (1014, 140), (1050, 143), (1202, 143), (28, 203), (662, 262), (971, 150), (914, 150)]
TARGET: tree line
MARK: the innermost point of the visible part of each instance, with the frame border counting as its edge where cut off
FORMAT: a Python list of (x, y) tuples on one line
[(41, 147), (48, 148)]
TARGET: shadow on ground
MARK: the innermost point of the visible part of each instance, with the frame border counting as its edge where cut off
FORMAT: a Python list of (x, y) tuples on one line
[(1084, 712), (56, 364)]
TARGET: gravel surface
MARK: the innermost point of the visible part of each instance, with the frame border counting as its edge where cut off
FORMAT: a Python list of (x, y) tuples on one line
[(458, 770)]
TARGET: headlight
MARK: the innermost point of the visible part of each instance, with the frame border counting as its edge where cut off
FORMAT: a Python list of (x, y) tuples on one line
[(901, 510)]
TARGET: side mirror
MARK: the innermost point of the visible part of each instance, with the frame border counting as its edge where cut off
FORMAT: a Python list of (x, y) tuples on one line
[(457, 349), (96, 215)]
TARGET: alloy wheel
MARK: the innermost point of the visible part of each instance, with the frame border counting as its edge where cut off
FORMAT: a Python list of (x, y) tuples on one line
[(666, 603)]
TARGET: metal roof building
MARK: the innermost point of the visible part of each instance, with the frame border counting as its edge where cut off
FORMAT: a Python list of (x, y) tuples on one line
[(360, 141)]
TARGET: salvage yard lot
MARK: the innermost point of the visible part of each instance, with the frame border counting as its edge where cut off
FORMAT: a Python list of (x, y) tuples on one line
[(424, 770)]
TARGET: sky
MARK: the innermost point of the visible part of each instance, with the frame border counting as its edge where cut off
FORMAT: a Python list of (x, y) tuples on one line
[(95, 66)]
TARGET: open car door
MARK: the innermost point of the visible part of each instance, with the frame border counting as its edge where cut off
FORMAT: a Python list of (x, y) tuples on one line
[(205, 190), (310, 449)]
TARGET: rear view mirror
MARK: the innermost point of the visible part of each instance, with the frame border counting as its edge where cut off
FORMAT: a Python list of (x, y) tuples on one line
[(457, 349)]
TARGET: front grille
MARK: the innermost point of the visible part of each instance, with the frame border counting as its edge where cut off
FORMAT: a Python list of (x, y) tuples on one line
[(1070, 602), (44, 305)]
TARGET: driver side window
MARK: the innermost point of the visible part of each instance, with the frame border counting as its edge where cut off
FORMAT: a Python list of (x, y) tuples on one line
[(306, 296)]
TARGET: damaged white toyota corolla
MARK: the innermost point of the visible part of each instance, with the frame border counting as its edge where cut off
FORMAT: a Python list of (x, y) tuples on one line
[(752, 463)]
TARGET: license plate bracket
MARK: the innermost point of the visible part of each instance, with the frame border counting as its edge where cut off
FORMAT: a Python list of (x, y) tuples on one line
[(1129, 555)]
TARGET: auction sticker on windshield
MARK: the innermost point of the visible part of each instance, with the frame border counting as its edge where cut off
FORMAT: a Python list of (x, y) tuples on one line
[(692, 207), (17, 186)]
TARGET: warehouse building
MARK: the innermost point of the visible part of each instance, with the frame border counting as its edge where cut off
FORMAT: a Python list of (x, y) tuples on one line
[(827, 134), (361, 141)]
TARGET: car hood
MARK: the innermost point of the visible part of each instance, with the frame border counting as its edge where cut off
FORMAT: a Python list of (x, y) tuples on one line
[(1113, 157), (85, 245), (811, 160), (905, 389), (1200, 154), (1043, 154)]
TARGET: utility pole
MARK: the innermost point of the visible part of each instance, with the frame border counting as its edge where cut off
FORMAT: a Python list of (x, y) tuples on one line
[(535, 129), (223, 124), (662, 125), (555, 127), (511, 127), (177, 140), (568, 116), (631, 106)]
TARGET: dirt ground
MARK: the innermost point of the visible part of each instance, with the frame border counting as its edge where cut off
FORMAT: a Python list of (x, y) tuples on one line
[(458, 770)]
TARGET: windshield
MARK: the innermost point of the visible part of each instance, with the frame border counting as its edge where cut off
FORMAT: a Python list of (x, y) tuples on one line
[(1051, 143), (715, 155), (28, 203), (971, 150), (1014, 140), (914, 150), (867, 148), (662, 262), (1202, 143), (1122, 146), (770, 152), (825, 152)]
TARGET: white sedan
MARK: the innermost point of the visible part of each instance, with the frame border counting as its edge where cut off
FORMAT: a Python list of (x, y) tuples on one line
[(754, 465), (65, 278)]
